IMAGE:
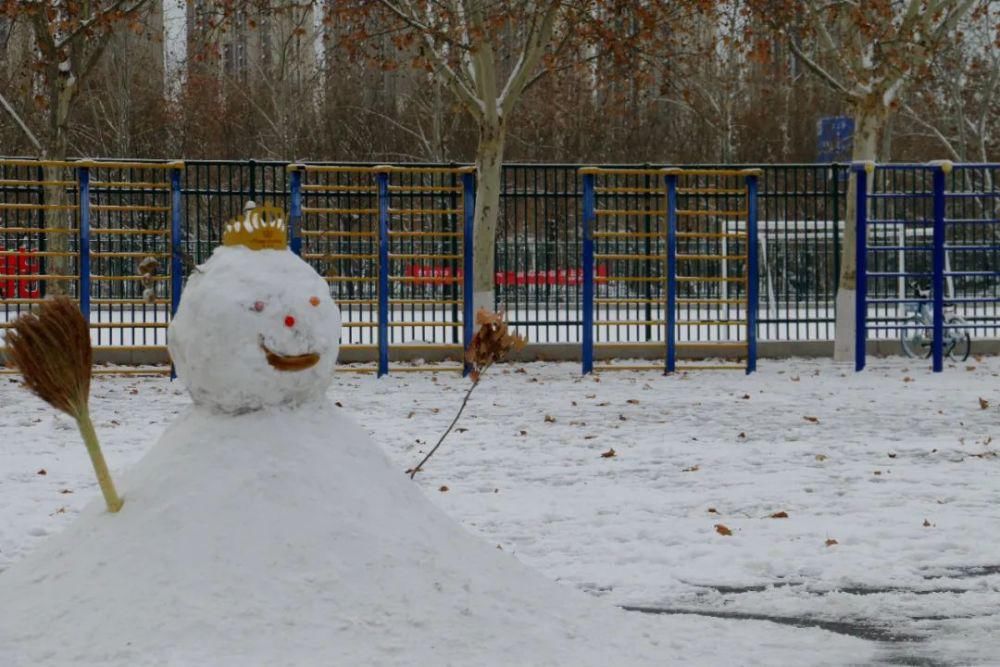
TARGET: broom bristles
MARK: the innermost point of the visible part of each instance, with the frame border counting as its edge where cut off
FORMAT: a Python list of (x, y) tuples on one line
[(52, 350)]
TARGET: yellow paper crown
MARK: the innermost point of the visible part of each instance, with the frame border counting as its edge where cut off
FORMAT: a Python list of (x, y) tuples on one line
[(258, 228)]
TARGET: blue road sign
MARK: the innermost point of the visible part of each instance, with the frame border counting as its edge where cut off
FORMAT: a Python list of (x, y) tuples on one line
[(835, 136)]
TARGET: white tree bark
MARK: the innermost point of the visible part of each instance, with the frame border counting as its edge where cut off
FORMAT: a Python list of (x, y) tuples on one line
[(489, 171), (867, 125)]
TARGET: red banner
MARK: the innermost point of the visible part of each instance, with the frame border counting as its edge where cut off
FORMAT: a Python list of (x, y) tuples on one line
[(436, 274), (21, 264)]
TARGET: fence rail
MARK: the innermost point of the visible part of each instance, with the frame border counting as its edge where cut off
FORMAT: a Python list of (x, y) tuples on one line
[(928, 234), (539, 277)]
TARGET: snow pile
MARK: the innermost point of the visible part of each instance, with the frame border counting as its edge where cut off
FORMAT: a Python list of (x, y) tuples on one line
[(285, 536), (264, 527)]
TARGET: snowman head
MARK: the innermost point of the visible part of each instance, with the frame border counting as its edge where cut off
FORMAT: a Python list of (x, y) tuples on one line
[(255, 328)]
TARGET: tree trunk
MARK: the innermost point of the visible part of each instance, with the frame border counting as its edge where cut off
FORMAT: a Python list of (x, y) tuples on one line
[(489, 162), (55, 195), (868, 122)]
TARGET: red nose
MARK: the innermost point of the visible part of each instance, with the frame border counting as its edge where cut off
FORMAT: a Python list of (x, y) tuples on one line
[(289, 321)]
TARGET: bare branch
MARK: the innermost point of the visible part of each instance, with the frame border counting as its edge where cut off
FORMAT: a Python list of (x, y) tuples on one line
[(820, 72), (85, 24), (17, 119), (450, 76), (531, 55)]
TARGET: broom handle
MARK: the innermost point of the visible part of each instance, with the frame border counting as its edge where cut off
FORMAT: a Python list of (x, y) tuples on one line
[(97, 458)]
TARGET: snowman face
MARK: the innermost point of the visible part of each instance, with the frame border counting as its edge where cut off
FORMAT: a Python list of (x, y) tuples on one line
[(255, 329)]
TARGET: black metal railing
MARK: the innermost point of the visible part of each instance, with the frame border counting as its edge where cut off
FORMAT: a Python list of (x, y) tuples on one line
[(538, 249)]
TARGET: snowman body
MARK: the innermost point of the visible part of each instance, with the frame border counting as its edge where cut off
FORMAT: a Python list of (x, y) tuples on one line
[(266, 528)]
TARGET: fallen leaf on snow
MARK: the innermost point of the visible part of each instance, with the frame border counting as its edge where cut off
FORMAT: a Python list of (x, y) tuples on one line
[(814, 420), (983, 404), (927, 524), (608, 454), (830, 542), (694, 468), (550, 419), (780, 515), (822, 457), (43, 471), (712, 510), (443, 488), (722, 530)]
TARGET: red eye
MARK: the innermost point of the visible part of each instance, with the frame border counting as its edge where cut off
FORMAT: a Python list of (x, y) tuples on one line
[(289, 321), (258, 306)]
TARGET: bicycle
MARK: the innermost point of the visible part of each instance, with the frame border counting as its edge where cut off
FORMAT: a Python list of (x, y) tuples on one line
[(917, 341)]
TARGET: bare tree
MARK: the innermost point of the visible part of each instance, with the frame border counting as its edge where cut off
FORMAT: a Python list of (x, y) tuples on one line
[(70, 40), (869, 53), (487, 54)]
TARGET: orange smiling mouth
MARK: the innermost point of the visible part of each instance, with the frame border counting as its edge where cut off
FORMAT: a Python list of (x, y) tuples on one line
[(298, 362)]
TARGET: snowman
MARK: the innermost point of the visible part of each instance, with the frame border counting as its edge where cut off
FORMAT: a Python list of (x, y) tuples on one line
[(266, 528)]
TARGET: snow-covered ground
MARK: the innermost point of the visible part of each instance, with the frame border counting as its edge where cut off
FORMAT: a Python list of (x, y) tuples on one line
[(890, 481)]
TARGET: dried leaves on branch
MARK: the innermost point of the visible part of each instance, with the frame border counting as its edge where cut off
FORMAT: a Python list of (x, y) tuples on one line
[(491, 343), (53, 352)]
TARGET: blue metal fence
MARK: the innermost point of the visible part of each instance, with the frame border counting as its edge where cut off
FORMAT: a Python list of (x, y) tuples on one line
[(395, 245), (665, 276), (933, 225)]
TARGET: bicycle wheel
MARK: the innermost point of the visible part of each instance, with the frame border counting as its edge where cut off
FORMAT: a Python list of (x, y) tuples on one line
[(959, 341), (916, 342)]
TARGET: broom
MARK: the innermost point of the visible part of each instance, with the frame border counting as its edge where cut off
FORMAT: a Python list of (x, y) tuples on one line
[(52, 350)]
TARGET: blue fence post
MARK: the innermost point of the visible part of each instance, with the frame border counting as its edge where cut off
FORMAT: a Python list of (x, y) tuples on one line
[(752, 272), (382, 181), (295, 212), (468, 231), (937, 345), (176, 248), (83, 176), (176, 238), (861, 171), (587, 334), (671, 361)]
